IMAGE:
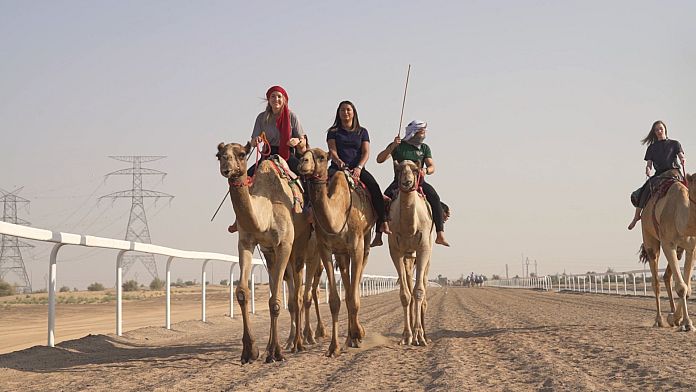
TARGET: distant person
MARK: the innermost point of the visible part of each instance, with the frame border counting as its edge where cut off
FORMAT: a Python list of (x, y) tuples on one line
[(415, 150), (349, 148), (664, 155), (281, 128)]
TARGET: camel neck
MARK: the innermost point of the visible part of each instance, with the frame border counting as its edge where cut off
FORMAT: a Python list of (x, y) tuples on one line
[(243, 209), (330, 211)]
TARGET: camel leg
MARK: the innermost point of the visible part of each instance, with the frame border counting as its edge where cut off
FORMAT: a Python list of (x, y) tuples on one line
[(356, 332), (425, 301), (422, 258), (670, 251), (276, 269), (674, 316), (309, 287), (686, 324), (334, 303), (287, 277), (404, 295), (249, 350), (297, 271), (652, 247), (344, 261), (409, 263), (321, 329)]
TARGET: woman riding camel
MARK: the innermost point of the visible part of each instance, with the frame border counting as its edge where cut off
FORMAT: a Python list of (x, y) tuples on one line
[(662, 155), (281, 128), (349, 148), (415, 150)]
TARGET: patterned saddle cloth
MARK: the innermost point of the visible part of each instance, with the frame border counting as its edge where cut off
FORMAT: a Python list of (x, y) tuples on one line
[(284, 171)]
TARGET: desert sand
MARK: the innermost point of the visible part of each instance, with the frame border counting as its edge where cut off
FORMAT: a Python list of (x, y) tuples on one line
[(482, 339)]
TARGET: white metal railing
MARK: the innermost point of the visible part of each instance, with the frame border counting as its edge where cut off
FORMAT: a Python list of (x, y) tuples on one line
[(371, 284), (633, 282), (535, 282)]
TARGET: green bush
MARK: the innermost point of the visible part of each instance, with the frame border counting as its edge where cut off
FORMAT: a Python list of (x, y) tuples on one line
[(6, 289), (157, 284), (224, 282), (130, 285), (95, 287), (64, 289)]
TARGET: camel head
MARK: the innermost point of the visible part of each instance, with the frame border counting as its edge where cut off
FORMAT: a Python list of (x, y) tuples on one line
[(232, 158), (314, 163), (691, 183), (407, 175)]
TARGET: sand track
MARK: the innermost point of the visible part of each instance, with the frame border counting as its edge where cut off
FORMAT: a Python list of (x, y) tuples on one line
[(482, 339)]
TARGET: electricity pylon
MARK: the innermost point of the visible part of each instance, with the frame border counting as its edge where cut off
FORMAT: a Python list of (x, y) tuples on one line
[(10, 255), (138, 229)]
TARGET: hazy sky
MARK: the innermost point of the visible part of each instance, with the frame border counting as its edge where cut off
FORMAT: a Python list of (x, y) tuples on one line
[(535, 112)]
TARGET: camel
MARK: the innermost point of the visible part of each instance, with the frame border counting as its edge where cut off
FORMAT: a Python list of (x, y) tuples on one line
[(265, 216), (670, 223), (343, 220), (412, 228)]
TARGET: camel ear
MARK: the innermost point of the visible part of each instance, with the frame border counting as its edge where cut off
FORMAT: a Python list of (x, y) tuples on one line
[(247, 147), (221, 146)]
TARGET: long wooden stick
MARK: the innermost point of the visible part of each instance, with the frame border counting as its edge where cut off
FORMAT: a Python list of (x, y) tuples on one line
[(403, 103)]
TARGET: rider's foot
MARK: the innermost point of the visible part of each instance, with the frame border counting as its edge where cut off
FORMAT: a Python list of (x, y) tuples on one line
[(233, 228), (633, 223), (440, 239), (377, 241), (384, 228)]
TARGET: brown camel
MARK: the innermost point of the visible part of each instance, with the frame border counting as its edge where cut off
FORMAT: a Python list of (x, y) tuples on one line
[(265, 216), (670, 223), (343, 219), (412, 228)]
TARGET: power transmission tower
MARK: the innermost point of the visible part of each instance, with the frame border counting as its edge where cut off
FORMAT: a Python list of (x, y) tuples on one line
[(138, 229), (10, 255)]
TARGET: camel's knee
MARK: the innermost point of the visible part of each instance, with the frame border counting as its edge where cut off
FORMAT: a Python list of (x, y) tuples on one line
[(405, 298), (419, 294), (242, 296), (274, 307), (682, 290), (334, 304)]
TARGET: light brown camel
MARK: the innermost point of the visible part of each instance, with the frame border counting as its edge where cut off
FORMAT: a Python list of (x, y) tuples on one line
[(343, 219), (265, 216), (412, 228), (670, 223)]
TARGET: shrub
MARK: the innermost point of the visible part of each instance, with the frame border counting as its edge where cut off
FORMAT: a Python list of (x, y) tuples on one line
[(189, 283), (130, 285), (157, 284), (223, 282), (64, 289), (6, 289), (95, 287)]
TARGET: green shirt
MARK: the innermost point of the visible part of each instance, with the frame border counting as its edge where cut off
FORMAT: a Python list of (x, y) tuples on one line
[(408, 151)]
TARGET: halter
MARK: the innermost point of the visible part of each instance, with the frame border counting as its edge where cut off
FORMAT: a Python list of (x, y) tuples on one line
[(416, 184), (239, 184)]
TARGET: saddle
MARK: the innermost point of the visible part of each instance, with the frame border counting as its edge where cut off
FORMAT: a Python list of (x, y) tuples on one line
[(282, 168)]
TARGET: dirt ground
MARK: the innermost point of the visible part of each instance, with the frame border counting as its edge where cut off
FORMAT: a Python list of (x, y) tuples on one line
[(482, 339)]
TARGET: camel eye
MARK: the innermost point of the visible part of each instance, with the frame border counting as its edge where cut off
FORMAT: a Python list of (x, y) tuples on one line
[(241, 155)]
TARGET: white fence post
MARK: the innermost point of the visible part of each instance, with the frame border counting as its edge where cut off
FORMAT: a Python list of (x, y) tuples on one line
[(119, 293), (52, 295), (168, 294), (232, 291), (203, 277)]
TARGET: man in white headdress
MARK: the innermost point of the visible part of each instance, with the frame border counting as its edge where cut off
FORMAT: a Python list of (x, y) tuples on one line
[(415, 150)]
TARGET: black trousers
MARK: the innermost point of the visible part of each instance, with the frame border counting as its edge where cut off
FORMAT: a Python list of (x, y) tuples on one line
[(430, 195), (375, 193)]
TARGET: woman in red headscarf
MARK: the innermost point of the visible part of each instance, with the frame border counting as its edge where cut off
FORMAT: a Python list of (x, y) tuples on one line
[(281, 128)]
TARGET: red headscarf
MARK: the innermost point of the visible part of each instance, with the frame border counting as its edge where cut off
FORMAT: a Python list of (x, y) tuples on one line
[(282, 123)]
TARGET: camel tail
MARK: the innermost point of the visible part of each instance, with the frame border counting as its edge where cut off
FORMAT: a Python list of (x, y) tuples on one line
[(643, 254), (680, 252)]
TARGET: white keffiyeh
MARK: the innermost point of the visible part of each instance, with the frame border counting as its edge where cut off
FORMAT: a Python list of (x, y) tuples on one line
[(413, 127)]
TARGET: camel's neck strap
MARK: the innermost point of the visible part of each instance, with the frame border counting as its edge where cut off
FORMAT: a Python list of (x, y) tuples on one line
[(239, 184)]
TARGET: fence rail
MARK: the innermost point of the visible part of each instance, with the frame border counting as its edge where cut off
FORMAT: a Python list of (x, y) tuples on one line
[(370, 285)]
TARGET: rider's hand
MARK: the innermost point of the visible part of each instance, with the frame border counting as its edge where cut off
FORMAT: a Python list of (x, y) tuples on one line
[(293, 142), (647, 171), (255, 141), (396, 142), (356, 172)]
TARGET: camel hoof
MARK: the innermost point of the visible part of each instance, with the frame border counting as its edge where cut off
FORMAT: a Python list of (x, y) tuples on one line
[(250, 354), (275, 358), (320, 332), (309, 339), (405, 342), (687, 328), (333, 351)]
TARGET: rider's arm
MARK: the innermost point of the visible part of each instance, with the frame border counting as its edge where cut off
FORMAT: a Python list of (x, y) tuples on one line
[(429, 165), (648, 167), (382, 156), (333, 152)]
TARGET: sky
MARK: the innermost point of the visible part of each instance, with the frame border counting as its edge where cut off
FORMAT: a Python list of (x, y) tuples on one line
[(535, 111)]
